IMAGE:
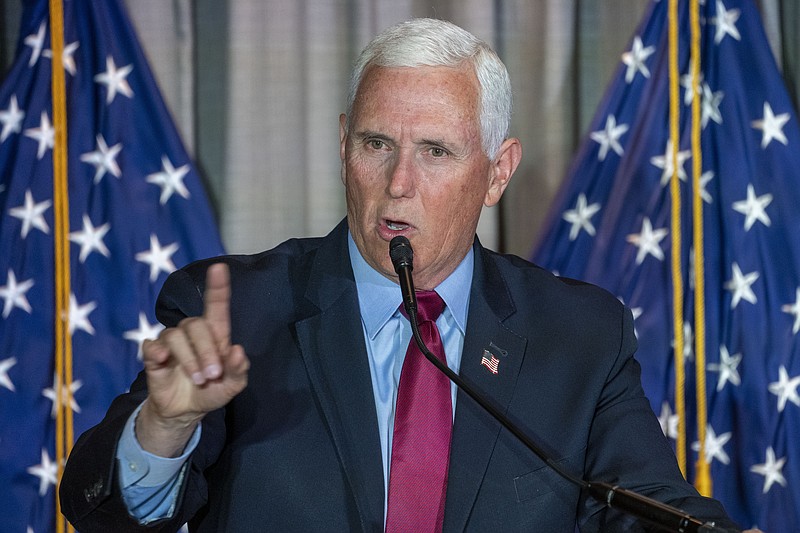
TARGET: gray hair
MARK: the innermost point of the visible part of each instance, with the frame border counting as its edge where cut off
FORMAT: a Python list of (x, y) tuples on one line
[(432, 42)]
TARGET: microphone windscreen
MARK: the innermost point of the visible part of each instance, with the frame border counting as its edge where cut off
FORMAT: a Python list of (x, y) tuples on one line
[(401, 253)]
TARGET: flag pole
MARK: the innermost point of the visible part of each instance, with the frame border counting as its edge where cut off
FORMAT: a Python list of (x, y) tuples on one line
[(63, 340)]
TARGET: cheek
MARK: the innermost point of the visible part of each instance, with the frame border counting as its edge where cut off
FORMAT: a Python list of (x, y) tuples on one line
[(361, 187), (363, 171), (470, 200), (458, 212), (452, 212)]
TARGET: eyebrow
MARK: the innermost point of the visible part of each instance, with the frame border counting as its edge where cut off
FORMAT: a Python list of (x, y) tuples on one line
[(361, 135), (437, 142)]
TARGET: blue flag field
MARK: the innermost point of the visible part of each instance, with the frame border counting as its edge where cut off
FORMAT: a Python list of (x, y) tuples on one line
[(136, 211), (613, 225)]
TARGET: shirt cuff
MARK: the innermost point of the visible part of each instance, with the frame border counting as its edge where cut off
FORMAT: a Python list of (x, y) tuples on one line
[(144, 469)]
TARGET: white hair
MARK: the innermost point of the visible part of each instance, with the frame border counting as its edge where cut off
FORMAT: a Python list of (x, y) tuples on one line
[(432, 42)]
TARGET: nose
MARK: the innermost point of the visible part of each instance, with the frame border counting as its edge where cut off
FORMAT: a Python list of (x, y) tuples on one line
[(402, 177)]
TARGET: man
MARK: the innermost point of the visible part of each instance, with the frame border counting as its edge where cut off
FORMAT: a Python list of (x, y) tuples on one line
[(271, 401)]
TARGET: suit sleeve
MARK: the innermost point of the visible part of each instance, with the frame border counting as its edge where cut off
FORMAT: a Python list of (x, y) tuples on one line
[(89, 493), (628, 448)]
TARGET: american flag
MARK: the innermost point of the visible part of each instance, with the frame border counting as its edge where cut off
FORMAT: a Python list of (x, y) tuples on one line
[(490, 361), (137, 210), (611, 225)]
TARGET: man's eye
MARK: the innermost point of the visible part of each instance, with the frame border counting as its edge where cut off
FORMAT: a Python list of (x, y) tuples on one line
[(438, 152), (376, 144)]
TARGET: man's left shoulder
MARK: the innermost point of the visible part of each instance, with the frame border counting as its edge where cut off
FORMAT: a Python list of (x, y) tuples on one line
[(527, 280)]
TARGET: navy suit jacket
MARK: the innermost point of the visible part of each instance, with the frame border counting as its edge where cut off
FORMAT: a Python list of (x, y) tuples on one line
[(298, 449)]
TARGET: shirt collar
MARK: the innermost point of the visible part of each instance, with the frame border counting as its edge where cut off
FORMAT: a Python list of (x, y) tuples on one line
[(379, 297)]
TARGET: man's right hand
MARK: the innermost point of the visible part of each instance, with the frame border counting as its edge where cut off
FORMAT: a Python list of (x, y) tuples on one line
[(192, 369)]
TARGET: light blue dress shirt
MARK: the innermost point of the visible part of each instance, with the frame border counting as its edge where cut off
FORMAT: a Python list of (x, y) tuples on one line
[(150, 484), (388, 333)]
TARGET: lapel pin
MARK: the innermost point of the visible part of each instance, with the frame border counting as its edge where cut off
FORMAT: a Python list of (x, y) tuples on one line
[(490, 361)]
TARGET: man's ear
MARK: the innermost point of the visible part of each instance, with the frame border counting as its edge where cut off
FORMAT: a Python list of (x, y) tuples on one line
[(501, 169), (342, 134), (342, 143)]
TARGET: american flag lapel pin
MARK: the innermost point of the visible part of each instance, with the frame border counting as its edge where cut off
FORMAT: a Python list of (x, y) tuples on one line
[(490, 361)]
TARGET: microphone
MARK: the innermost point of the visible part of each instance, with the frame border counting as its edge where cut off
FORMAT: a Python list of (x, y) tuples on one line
[(403, 260), (647, 509)]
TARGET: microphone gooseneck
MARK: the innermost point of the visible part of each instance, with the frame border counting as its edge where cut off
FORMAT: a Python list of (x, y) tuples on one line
[(652, 511)]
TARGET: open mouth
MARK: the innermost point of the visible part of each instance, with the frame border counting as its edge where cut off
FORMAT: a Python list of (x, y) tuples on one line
[(396, 225)]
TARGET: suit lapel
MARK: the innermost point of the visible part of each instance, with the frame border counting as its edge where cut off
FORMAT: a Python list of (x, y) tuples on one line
[(475, 432), (332, 345)]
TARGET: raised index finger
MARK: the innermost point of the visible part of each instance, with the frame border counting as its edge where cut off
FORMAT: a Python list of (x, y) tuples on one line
[(216, 306)]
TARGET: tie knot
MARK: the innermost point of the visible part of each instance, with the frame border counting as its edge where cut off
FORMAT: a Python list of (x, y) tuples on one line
[(429, 306)]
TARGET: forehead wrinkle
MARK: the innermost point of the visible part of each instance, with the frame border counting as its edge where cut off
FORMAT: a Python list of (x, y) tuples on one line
[(452, 87), (402, 116)]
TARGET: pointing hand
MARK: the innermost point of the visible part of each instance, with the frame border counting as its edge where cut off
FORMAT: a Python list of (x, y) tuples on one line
[(192, 369)]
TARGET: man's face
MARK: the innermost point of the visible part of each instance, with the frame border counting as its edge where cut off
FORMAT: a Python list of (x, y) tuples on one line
[(412, 165)]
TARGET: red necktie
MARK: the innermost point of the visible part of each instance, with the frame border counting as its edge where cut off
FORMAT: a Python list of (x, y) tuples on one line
[(423, 424)]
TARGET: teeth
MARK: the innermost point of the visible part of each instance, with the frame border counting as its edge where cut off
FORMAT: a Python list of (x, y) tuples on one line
[(394, 226)]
